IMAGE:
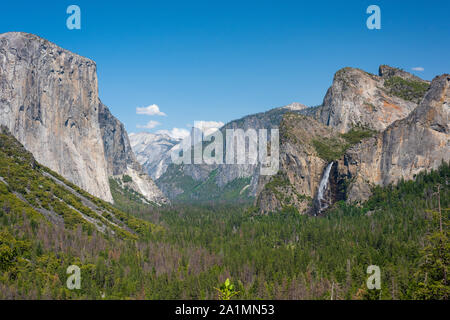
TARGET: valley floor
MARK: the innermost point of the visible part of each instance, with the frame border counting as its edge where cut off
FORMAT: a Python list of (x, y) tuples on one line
[(189, 250)]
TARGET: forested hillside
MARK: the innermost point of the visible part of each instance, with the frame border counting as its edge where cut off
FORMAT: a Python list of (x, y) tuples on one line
[(186, 251)]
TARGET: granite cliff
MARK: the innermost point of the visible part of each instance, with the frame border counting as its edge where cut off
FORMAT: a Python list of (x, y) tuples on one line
[(49, 101), (358, 98), (419, 142)]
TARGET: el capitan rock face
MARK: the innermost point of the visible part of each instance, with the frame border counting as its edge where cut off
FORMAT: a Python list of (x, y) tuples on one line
[(49, 101)]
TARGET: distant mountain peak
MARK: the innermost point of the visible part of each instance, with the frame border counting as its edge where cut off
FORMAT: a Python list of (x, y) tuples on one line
[(295, 106), (152, 151)]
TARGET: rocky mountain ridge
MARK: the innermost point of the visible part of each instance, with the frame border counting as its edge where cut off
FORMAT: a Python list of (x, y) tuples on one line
[(356, 99), (358, 160), (179, 180), (312, 138)]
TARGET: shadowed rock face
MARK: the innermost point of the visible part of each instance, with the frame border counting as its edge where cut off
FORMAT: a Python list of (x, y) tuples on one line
[(408, 146), (358, 98), (117, 147), (120, 159), (49, 101)]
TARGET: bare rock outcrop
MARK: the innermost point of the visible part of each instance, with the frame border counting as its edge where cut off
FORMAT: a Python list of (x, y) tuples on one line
[(358, 98), (408, 146)]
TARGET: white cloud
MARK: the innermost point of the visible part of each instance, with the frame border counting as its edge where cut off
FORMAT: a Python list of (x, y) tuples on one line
[(175, 133), (418, 69), (150, 125), (152, 110)]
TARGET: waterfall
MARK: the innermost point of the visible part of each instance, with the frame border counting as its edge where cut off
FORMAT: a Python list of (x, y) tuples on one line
[(322, 187)]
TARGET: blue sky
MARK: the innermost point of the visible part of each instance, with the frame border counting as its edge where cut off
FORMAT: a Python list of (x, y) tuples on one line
[(220, 60)]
